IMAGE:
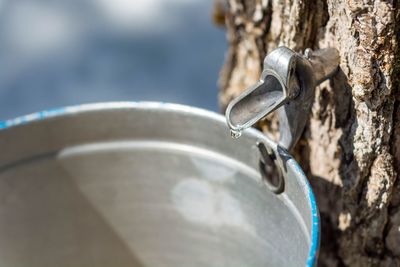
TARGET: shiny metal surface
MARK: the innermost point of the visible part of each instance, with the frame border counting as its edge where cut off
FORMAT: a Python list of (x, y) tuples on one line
[(287, 84), (130, 184)]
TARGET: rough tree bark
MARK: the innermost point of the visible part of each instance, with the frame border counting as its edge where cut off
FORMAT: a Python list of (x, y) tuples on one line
[(351, 146)]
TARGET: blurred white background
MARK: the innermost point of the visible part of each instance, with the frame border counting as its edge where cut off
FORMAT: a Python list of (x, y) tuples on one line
[(64, 52)]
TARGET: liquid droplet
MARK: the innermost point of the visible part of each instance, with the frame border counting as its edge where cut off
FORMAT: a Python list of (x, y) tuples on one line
[(235, 134)]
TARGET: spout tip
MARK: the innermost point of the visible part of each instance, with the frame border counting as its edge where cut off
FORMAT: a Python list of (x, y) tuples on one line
[(235, 134), (230, 116), (235, 130), (255, 103)]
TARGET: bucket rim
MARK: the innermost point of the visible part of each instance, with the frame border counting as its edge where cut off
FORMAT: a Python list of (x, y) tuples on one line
[(74, 109)]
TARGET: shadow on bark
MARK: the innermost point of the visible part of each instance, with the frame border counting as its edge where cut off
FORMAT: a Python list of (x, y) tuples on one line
[(336, 99)]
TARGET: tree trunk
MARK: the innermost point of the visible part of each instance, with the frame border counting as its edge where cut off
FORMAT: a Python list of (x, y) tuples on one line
[(350, 149)]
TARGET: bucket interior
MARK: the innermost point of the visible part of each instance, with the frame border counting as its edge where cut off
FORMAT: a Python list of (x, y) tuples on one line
[(130, 192)]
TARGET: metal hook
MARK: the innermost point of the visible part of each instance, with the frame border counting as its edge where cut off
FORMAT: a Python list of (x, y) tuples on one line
[(287, 83), (270, 172)]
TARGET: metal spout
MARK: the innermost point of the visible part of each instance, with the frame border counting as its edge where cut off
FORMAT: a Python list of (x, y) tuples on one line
[(287, 77)]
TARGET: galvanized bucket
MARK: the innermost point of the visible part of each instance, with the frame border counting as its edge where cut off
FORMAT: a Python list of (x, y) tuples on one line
[(147, 184)]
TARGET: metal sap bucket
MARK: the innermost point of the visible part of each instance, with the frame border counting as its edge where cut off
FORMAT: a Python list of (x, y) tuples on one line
[(146, 184)]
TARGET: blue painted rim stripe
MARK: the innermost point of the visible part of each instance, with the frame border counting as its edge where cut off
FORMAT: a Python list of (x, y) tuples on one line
[(32, 117), (315, 229), (41, 115), (315, 223)]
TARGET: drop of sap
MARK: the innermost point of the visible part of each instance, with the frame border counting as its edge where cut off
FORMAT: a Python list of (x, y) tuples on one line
[(235, 134)]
